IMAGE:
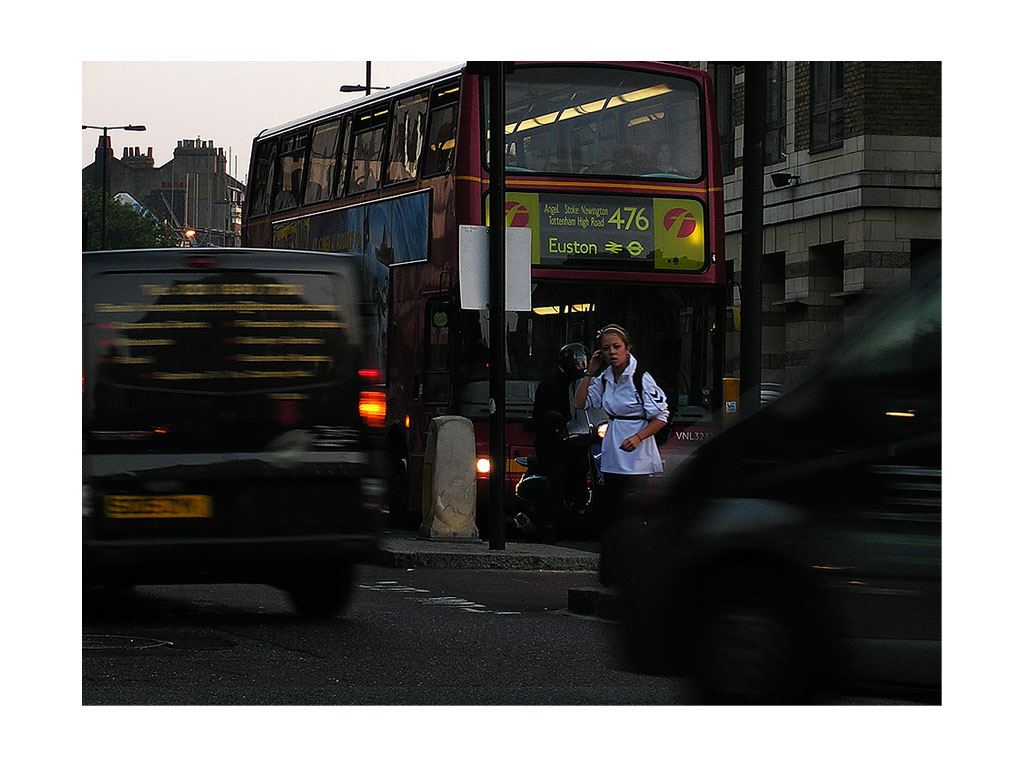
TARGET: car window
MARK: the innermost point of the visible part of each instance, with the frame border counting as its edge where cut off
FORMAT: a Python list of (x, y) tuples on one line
[(886, 386), (906, 345)]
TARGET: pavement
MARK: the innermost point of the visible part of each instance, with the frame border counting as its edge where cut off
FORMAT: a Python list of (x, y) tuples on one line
[(406, 549)]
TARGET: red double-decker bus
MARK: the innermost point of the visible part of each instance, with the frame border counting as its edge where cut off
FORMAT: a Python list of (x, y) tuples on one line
[(613, 167)]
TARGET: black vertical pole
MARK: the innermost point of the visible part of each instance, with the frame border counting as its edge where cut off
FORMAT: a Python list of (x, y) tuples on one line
[(496, 266), (754, 73), (367, 78)]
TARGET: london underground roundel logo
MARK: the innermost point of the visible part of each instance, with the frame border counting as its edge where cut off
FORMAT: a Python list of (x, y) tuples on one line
[(680, 222), (516, 215)]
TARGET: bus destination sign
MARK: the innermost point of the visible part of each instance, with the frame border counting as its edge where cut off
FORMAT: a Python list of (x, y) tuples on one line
[(571, 230)]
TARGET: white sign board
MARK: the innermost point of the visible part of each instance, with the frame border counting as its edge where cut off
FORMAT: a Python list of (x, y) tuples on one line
[(474, 268)]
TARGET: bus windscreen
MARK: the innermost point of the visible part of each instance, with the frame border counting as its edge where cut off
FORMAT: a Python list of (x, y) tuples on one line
[(583, 120)]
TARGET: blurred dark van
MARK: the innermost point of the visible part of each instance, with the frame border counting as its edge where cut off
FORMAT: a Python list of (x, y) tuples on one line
[(800, 550), (228, 421)]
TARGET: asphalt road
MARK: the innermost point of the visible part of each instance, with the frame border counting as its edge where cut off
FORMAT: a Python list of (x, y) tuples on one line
[(411, 636), (414, 637)]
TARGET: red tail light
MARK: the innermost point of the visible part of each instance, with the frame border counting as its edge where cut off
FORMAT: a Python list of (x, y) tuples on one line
[(372, 399), (373, 408)]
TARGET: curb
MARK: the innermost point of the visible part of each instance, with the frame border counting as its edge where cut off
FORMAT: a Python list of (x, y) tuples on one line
[(414, 552), (599, 602)]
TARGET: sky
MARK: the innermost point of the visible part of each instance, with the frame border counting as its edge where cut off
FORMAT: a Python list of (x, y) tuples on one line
[(226, 102)]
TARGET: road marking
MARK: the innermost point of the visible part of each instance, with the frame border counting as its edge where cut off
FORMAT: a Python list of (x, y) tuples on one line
[(391, 586), (444, 601), (121, 643)]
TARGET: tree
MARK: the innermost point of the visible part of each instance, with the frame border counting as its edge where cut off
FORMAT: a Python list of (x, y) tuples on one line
[(126, 227)]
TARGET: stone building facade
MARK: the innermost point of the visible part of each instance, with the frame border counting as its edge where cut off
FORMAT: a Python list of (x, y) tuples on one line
[(192, 191), (852, 195)]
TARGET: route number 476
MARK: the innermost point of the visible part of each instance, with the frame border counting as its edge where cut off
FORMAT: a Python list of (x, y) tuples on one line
[(635, 218)]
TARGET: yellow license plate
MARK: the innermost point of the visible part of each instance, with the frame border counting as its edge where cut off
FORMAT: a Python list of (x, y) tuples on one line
[(158, 506)]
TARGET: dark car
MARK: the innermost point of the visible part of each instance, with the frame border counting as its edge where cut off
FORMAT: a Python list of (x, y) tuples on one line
[(222, 431), (800, 550)]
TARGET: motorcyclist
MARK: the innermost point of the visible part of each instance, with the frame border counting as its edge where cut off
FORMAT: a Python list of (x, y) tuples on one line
[(564, 466)]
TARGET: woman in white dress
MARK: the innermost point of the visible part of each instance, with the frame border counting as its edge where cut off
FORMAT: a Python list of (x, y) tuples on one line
[(628, 454)]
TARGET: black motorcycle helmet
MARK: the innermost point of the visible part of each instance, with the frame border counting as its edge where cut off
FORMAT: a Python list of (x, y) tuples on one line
[(572, 359)]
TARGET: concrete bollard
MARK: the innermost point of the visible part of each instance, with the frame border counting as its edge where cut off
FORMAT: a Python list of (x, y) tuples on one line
[(449, 480)]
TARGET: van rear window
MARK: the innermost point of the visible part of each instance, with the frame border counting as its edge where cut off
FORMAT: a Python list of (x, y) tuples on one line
[(229, 332)]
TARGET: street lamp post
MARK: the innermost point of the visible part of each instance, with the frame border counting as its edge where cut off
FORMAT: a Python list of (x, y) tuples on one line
[(105, 128), (367, 87)]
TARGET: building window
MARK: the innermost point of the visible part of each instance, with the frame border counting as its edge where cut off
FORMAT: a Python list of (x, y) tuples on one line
[(775, 112), (826, 105), (723, 74)]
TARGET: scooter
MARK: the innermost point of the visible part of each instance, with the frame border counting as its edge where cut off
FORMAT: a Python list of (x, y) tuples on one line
[(580, 516)]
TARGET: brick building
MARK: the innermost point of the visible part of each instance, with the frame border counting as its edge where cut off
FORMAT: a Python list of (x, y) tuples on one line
[(193, 190), (863, 141)]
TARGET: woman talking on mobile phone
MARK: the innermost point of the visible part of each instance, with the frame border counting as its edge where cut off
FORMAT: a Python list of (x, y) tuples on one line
[(629, 457)]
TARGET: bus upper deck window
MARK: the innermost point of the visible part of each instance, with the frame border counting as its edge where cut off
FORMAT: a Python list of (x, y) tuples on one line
[(440, 145), (290, 168), (365, 169), (262, 185), (344, 151), (600, 120), (407, 129), (322, 157)]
